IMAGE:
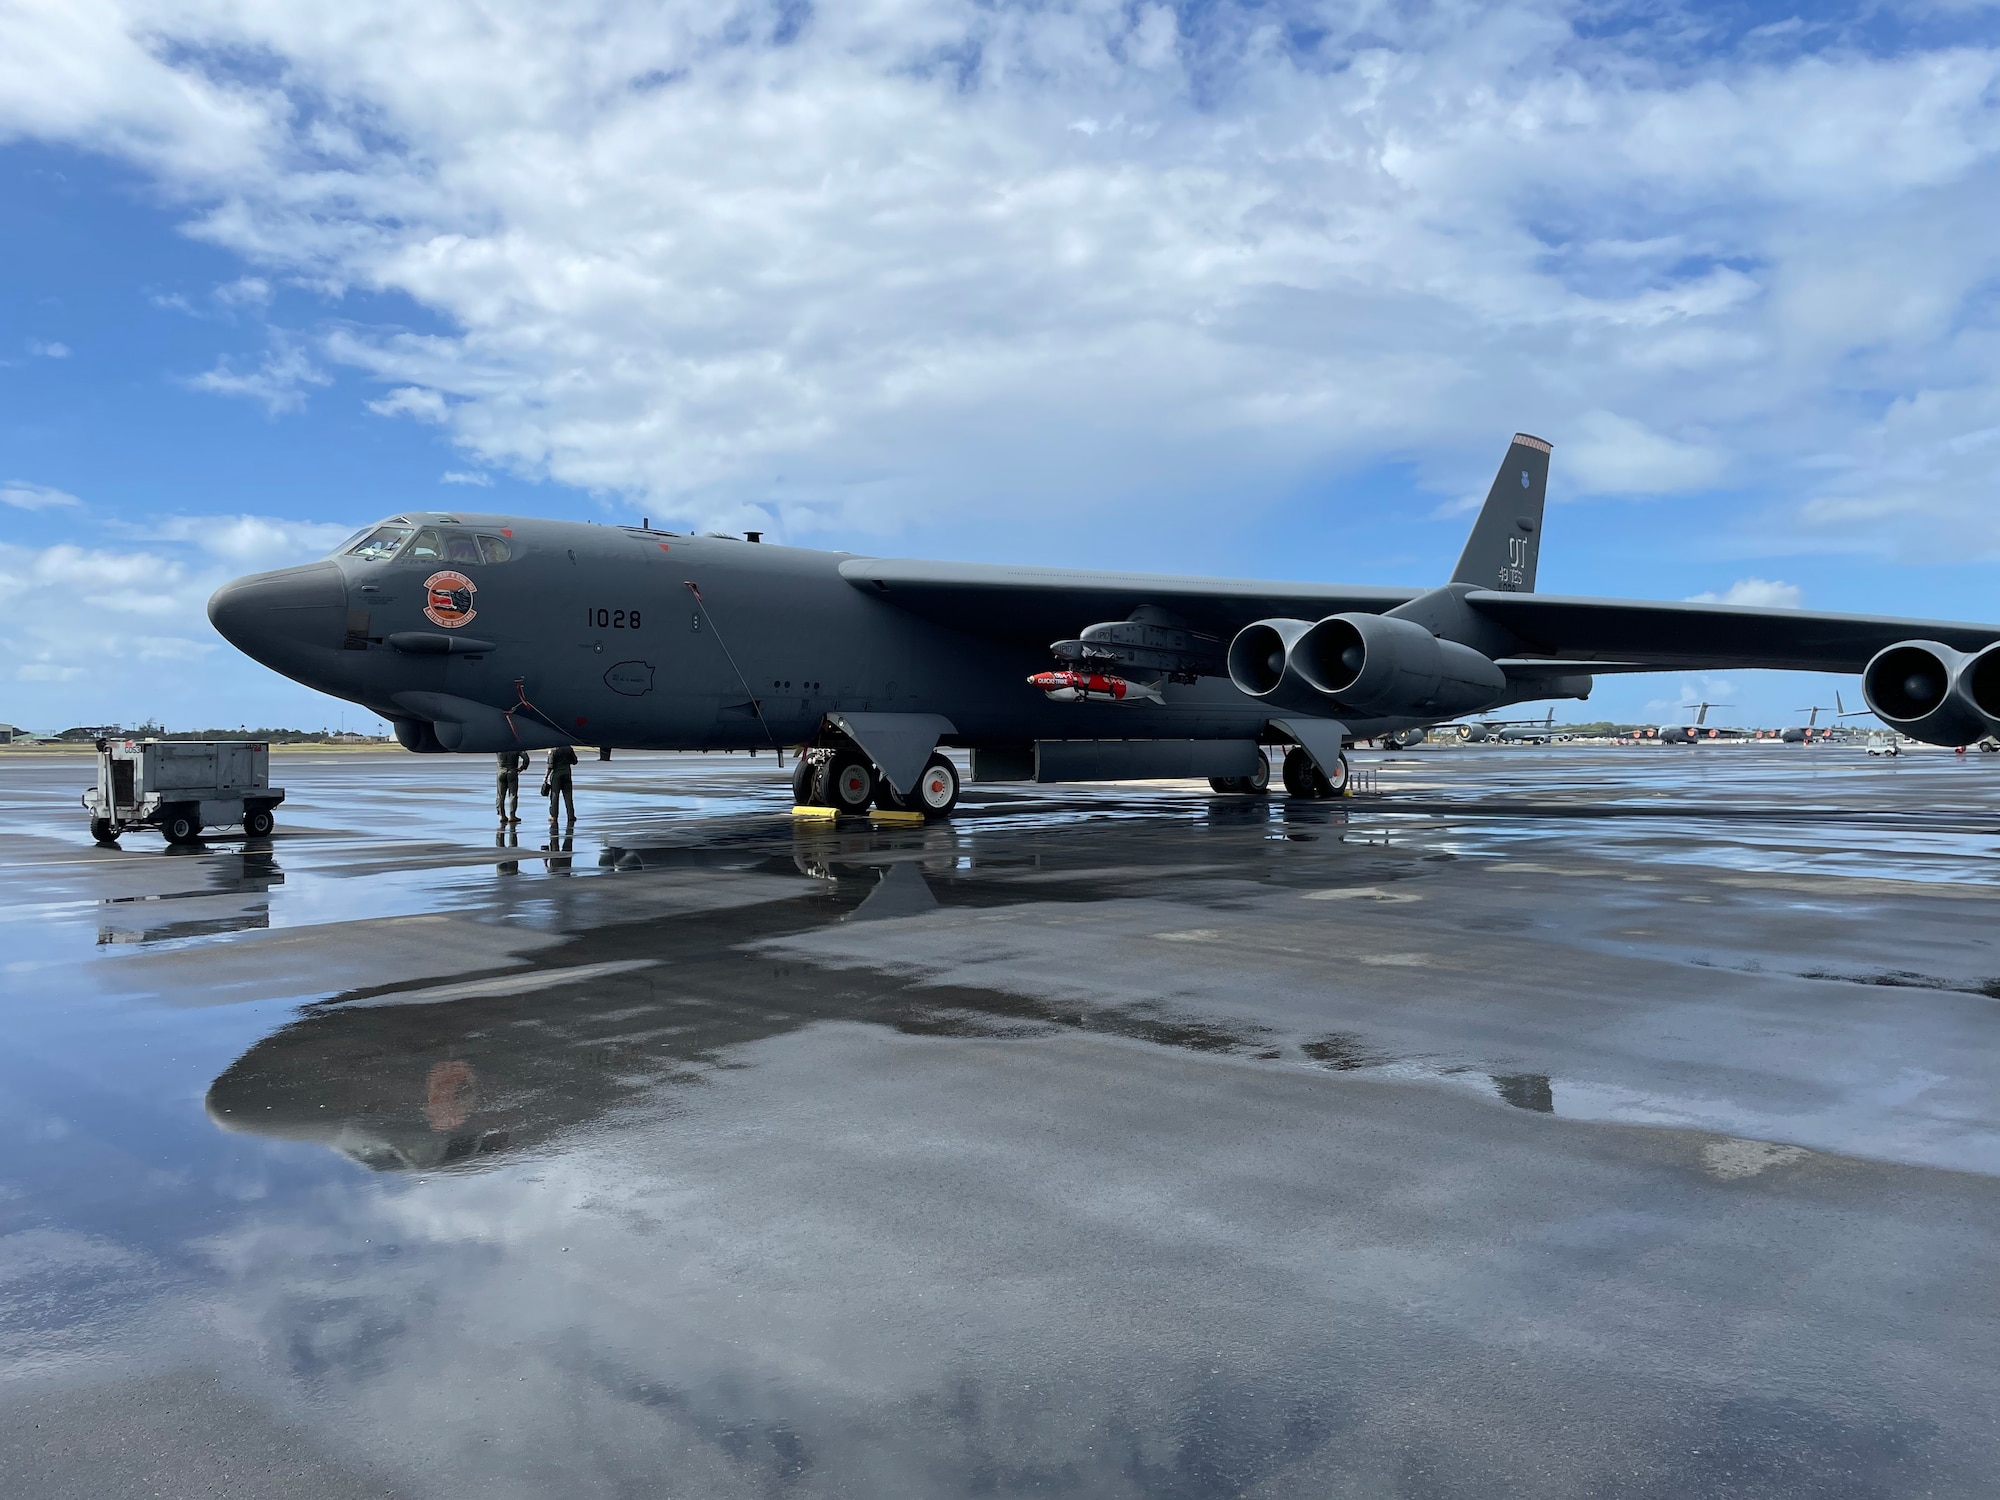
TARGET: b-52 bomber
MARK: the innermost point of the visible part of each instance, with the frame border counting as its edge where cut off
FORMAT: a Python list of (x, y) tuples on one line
[(482, 633)]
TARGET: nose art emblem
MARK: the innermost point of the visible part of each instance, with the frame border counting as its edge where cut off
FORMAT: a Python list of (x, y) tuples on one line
[(448, 599)]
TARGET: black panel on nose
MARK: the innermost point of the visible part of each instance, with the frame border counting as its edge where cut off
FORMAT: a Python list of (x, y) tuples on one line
[(273, 616)]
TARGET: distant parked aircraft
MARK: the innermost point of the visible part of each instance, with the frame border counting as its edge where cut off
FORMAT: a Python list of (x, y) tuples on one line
[(1700, 729), (1507, 731), (1806, 733)]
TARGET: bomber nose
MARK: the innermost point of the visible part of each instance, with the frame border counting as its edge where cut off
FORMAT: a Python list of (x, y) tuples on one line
[(273, 616)]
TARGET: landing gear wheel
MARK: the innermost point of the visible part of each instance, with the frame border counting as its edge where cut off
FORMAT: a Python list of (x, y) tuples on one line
[(1259, 779), (103, 830), (258, 822), (1336, 784), (937, 789), (1255, 784), (849, 785), (1305, 780), (802, 782), (180, 825)]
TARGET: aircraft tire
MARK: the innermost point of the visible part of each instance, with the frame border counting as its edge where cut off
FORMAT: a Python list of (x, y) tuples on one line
[(937, 789), (1336, 786), (802, 782), (1255, 784), (850, 783), (1305, 780)]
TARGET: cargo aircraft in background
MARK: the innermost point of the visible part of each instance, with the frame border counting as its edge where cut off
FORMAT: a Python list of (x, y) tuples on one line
[(1505, 731), (482, 633)]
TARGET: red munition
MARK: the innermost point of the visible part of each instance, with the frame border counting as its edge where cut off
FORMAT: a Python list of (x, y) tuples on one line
[(1077, 687)]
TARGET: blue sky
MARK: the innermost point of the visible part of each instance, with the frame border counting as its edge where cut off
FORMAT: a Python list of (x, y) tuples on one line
[(1249, 289)]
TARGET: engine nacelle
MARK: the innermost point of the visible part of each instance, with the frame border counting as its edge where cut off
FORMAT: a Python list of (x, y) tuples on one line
[(1378, 667), (419, 735), (1260, 663), (1933, 693), (1369, 666)]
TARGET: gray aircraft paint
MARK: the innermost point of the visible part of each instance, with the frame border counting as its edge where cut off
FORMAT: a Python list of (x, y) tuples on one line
[(631, 638)]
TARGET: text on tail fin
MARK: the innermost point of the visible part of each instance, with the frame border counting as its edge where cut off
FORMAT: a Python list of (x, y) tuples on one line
[(1505, 543)]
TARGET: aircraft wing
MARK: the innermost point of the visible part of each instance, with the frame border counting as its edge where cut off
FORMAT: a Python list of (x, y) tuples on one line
[(1648, 636), (1037, 605), (1040, 605)]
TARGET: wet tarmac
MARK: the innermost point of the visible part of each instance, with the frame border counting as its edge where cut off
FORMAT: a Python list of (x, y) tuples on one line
[(1557, 1123)]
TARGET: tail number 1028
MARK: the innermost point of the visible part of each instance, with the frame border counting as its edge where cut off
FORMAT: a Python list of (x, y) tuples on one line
[(612, 619)]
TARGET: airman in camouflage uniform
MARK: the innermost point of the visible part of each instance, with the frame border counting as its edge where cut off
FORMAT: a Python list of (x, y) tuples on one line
[(557, 783), (507, 790)]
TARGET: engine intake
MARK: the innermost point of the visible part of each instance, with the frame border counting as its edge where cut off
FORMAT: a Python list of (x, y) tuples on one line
[(1368, 665), (1934, 693)]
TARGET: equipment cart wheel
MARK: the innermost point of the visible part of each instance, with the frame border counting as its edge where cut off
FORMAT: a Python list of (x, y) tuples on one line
[(104, 830), (181, 825), (258, 822), (850, 783)]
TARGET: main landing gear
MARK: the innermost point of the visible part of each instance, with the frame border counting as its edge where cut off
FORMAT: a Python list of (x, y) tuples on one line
[(1304, 778), (845, 780)]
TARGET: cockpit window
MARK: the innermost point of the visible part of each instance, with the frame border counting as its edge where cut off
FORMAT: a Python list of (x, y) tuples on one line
[(495, 548), (427, 548), (380, 543), (460, 547)]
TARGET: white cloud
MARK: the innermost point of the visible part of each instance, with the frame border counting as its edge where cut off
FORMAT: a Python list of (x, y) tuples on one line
[(253, 291), (48, 350), (1763, 593), (882, 271), (24, 496), (410, 401), (1614, 455), (459, 476), (253, 541), (278, 384), (92, 633)]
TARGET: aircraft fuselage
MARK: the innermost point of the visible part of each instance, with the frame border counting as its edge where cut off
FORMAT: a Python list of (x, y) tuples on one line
[(597, 634)]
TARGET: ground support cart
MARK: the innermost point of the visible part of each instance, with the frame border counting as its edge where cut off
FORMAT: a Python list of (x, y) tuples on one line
[(181, 787)]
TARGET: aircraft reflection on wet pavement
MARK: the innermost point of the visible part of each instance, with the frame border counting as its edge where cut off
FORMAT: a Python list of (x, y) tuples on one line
[(1635, 1139), (443, 1075)]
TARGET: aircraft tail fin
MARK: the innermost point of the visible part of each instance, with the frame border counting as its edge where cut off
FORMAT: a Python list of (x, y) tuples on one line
[(1506, 539)]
